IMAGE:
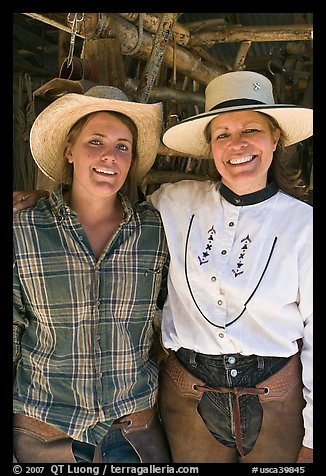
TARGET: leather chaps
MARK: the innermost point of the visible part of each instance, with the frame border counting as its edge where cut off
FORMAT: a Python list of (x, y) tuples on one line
[(281, 432), (37, 442)]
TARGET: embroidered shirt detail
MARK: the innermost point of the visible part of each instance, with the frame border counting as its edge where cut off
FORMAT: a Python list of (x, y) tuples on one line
[(205, 254), (242, 254)]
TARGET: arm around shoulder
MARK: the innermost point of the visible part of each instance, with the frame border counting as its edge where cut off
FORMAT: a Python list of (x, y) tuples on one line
[(24, 199)]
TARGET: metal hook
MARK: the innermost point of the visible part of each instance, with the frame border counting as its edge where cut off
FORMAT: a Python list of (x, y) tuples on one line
[(74, 28)]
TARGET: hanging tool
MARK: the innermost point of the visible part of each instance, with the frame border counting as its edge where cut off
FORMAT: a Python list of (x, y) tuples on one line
[(77, 18)]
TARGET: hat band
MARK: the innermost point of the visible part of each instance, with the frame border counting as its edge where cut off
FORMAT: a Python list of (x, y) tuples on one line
[(236, 102)]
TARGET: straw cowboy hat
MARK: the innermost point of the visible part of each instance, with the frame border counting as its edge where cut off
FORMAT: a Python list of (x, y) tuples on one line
[(238, 91), (50, 129)]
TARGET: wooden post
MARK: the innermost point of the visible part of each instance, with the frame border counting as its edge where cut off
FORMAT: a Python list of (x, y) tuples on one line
[(155, 59)]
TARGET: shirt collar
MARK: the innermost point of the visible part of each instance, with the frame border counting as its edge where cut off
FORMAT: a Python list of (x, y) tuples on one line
[(59, 206), (250, 198), (57, 203)]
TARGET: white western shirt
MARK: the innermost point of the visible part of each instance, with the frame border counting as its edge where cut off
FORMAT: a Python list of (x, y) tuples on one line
[(240, 277)]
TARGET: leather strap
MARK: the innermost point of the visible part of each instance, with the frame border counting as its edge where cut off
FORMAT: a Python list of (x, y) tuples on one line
[(31, 425), (237, 392), (134, 421)]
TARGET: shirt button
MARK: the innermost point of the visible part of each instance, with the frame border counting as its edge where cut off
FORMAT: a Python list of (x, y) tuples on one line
[(80, 238), (237, 201), (231, 223), (231, 360), (213, 278), (221, 335), (223, 252), (234, 373), (219, 302), (98, 303)]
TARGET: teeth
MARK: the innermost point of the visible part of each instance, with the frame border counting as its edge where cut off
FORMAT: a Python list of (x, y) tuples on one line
[(103, 171), (241, 160)]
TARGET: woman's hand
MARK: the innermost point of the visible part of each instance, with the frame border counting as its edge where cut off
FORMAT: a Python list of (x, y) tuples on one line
[(23, 199), (305, 455)]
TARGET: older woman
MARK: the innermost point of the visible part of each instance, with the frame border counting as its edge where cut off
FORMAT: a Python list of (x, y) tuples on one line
[(237, 385)]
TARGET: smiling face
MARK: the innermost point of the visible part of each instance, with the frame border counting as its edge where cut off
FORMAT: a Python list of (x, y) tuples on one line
[(101, 154), (242, 144)]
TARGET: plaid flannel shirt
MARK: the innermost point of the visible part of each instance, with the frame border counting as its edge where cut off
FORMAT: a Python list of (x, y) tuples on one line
[(85, 357)]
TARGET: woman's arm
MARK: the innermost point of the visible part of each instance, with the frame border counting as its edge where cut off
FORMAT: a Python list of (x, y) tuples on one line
[(23, 198)]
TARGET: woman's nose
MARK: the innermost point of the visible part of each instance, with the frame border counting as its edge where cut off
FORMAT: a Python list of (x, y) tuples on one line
[(238, 142), (108, 154)]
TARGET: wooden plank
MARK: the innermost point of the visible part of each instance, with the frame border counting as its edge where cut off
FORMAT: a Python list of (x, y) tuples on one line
[(236, 33)]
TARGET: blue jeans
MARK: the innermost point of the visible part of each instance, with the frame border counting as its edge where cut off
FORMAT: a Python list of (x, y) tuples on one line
[(230, 370), (114, 447)]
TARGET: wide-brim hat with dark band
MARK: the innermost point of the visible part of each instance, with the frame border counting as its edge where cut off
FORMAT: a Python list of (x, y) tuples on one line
[(238, 91), (49, 131)]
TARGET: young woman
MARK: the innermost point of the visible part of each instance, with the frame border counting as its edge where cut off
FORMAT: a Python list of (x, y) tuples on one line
[(88, 265)]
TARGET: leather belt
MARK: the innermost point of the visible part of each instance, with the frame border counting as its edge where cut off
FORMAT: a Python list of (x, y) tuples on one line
[(47, 432), (31, 425), (134, 421)]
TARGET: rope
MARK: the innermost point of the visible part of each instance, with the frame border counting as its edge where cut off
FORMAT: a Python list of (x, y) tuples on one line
[(24, 115)]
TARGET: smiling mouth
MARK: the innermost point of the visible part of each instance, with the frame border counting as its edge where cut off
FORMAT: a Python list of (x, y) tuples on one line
[(105, 171), (242, 160)]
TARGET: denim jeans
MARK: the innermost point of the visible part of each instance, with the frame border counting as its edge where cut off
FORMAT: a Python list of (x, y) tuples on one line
[(230, 370), (114, 447)]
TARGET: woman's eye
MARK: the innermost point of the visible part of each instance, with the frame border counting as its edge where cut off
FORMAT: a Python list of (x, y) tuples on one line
[(122, 147), (250, 131), (95, 142), (221, 136)]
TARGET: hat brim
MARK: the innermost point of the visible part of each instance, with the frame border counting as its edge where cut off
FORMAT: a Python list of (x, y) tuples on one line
[(49, 131), (189, 138)]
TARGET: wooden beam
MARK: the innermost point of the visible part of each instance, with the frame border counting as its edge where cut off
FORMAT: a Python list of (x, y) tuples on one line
[(239, 62), (206, 24), (57, 20), (236, 33), (163, 150), (166, 176), (180, 32), (188, 63), (164, 93), (153, 65)]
